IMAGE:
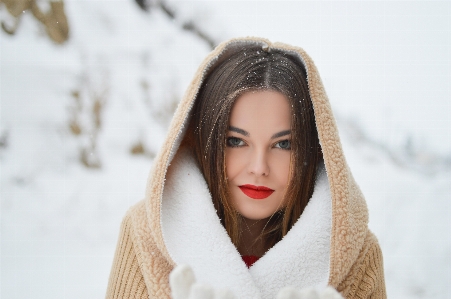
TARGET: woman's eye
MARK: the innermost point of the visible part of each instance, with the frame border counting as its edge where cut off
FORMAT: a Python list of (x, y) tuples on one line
[(284, 144), (234, 142)]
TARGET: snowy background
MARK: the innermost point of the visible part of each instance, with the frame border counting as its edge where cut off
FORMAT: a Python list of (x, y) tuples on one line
[(81, 122)]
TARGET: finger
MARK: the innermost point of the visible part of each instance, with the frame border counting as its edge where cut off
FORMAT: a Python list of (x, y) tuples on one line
[(201, 291), (309, 293), (181, 280), (330, 293), (289, 293)]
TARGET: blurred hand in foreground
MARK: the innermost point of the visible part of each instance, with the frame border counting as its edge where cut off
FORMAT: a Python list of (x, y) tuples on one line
[(183, 286)]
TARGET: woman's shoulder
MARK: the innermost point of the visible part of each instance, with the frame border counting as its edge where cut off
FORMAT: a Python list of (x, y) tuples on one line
[(139, 267), (134, 217), (366, 277)]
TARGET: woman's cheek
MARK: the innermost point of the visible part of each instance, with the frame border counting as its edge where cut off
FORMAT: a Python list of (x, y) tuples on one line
[(280, 167), (234, 162)]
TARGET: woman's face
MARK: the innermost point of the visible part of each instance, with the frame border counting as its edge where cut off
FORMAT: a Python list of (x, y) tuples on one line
[(258, 153)]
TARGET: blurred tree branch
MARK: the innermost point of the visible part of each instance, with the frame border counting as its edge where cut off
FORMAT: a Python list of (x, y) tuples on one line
[(86, 111), (408, 156), (54, 20), (189, 25)]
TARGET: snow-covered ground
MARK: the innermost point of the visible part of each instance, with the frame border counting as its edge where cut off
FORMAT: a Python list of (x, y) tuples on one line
[(385, 65)]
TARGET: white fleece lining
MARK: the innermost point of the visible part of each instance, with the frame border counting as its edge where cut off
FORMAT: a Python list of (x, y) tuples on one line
[(194, 235)]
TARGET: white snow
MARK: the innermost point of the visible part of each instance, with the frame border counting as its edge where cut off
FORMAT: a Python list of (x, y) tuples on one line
[(385, 65)]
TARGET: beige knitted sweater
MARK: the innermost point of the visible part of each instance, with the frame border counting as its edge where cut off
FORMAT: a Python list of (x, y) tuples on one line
[(176, 222)]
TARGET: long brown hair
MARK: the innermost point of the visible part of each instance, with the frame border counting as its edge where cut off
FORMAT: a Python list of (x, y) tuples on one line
[(250, 68)]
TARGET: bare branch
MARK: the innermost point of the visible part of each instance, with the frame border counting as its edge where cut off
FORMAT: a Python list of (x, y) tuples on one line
[(189, 25), (408, 157)]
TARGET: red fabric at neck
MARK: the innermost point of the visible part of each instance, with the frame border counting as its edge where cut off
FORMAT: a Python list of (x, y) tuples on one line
[(249, 259)]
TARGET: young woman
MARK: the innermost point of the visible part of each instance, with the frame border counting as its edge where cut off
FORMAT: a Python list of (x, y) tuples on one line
[(251, 188)]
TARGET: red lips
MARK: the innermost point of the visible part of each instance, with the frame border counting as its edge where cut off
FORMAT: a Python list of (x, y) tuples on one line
[(256, 192)]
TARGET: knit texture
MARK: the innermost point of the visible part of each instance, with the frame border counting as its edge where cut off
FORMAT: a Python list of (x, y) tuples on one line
[(126, 279), (366, 278), (139, 269)]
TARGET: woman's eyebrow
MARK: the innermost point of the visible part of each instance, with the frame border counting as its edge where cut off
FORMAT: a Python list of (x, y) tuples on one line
[(245, 133), (238, 130), (280, 134)]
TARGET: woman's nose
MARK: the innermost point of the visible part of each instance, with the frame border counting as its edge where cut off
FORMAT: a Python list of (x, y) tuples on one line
[(258, 164)]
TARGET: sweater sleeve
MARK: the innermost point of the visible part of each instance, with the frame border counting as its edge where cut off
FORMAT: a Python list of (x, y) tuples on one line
[(366, 278), (126, 279)]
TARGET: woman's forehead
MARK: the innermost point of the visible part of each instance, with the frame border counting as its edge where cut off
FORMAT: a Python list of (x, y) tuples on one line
[(257, 111)]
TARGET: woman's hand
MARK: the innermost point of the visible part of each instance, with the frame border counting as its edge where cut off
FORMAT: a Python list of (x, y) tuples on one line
[(308, 293), (183, 286)]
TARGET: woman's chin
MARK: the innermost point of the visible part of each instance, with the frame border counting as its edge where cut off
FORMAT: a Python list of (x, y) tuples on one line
[(255, 215)]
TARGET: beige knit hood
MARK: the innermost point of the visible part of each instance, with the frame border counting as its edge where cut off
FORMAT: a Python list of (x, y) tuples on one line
[(160, 242)]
